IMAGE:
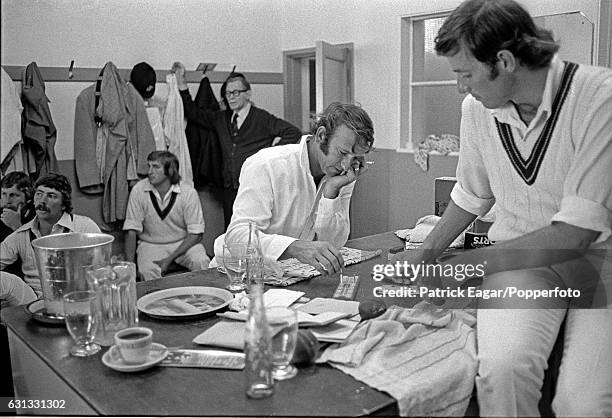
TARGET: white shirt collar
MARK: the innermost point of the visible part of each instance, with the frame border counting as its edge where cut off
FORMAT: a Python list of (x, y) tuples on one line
[(508, 113), (66, 221), (304, 159), (243, 113), (173, 188)]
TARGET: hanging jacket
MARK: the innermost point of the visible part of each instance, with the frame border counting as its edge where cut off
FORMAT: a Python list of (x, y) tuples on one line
[(38, 130), (174, 130), (10, 126), (204, 147), (111, 154)]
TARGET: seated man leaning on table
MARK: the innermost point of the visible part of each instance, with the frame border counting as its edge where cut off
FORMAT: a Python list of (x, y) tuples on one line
[(298, 195), (53, 206), (165, 215)]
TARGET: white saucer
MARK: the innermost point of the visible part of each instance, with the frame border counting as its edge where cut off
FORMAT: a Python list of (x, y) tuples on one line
[(113, 359)]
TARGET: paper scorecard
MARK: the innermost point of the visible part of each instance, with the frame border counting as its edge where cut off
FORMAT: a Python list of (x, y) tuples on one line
[(295, 271), (209, 359)]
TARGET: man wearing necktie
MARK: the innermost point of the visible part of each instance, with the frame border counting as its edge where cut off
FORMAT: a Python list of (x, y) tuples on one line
[(243, 129)]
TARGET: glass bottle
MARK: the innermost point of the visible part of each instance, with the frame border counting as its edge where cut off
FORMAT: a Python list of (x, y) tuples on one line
[(254, 261), (257, 346), (253, 240)]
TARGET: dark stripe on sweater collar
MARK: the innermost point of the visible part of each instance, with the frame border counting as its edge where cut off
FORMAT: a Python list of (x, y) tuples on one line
[(162, 213), (528, 169)]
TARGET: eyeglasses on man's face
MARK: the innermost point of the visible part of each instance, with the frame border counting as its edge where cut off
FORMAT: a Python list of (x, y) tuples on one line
[(234, 93)]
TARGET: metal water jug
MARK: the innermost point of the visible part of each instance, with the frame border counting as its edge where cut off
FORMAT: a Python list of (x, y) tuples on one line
[(63, 260)]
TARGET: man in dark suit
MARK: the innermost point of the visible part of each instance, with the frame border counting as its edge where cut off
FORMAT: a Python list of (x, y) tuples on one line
[(243, 129)]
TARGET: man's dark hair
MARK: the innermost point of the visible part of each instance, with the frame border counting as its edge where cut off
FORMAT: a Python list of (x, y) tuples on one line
[(238, 76), (353, 116), (485, 27), (21, 181), (61, 184), (170, 163)]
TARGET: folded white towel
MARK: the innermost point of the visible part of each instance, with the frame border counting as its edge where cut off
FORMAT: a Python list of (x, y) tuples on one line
[(422, 229), (424, 357)]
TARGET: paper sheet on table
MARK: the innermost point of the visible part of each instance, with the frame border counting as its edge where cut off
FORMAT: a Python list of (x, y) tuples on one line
[(320, 305), (281, 297), (227, 334), (304, 319)]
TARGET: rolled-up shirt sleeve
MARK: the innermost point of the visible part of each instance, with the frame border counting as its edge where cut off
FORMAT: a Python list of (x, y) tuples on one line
[(587, 191), (472, 192), (194, 218), (134, 215)]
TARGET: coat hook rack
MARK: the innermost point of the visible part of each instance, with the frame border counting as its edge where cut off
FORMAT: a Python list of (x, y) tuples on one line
[(204, 67), (70, 73)]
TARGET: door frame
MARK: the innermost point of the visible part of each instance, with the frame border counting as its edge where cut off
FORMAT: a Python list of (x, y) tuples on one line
[(294, 89)]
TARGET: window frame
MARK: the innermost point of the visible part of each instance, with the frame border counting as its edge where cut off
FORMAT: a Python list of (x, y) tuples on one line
[(407, 141)]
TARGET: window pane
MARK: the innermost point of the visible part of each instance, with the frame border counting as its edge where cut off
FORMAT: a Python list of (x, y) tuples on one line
[(436, 110), (427, 66)]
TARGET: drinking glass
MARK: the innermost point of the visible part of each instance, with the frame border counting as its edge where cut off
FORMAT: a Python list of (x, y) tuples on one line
[(284, 328), (234, 261), (81, 317)]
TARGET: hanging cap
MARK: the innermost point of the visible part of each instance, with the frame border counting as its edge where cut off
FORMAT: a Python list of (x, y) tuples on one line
[(143, 79)]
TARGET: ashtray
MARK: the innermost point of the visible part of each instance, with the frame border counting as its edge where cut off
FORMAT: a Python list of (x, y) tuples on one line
[(38, 312)]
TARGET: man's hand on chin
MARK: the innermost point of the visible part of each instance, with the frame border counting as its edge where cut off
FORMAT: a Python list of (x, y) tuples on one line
[(335, 183)]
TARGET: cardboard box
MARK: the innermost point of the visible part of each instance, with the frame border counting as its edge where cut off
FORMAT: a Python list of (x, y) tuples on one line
[(442, 190)]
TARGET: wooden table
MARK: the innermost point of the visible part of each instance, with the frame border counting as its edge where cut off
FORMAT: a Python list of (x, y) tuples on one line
[(44, 369)]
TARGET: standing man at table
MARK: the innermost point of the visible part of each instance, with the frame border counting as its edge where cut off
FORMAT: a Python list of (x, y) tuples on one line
[(299, 195), (53, 205), (165, 216), (243, 129), (536, 140)]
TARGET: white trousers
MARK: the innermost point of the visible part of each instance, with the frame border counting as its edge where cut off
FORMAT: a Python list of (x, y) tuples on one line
[(193, 259), (514, 346), (14, 291)]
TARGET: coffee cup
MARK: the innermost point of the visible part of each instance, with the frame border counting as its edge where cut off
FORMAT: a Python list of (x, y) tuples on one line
[(134, 344)]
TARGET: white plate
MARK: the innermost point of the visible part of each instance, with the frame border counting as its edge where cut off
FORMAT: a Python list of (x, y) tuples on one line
[(184, 302), (113, 359)]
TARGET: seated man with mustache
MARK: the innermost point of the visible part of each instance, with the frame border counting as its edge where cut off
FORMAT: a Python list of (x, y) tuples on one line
[(53, 205)]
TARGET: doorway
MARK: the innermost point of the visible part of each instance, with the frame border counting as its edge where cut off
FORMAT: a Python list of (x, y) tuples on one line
[(315, 77)]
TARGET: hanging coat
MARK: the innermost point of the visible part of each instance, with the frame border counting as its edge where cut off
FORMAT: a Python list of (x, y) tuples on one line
[(10, 126), (111, 153), (174, 129), (38, 130), (204, 147)]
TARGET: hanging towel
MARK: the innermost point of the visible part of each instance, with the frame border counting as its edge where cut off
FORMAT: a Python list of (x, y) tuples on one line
[(10, 126), (424, 357), (174, 129), (38, 130), (443, 144), (155, 120), (112, 156), (204, 147)]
